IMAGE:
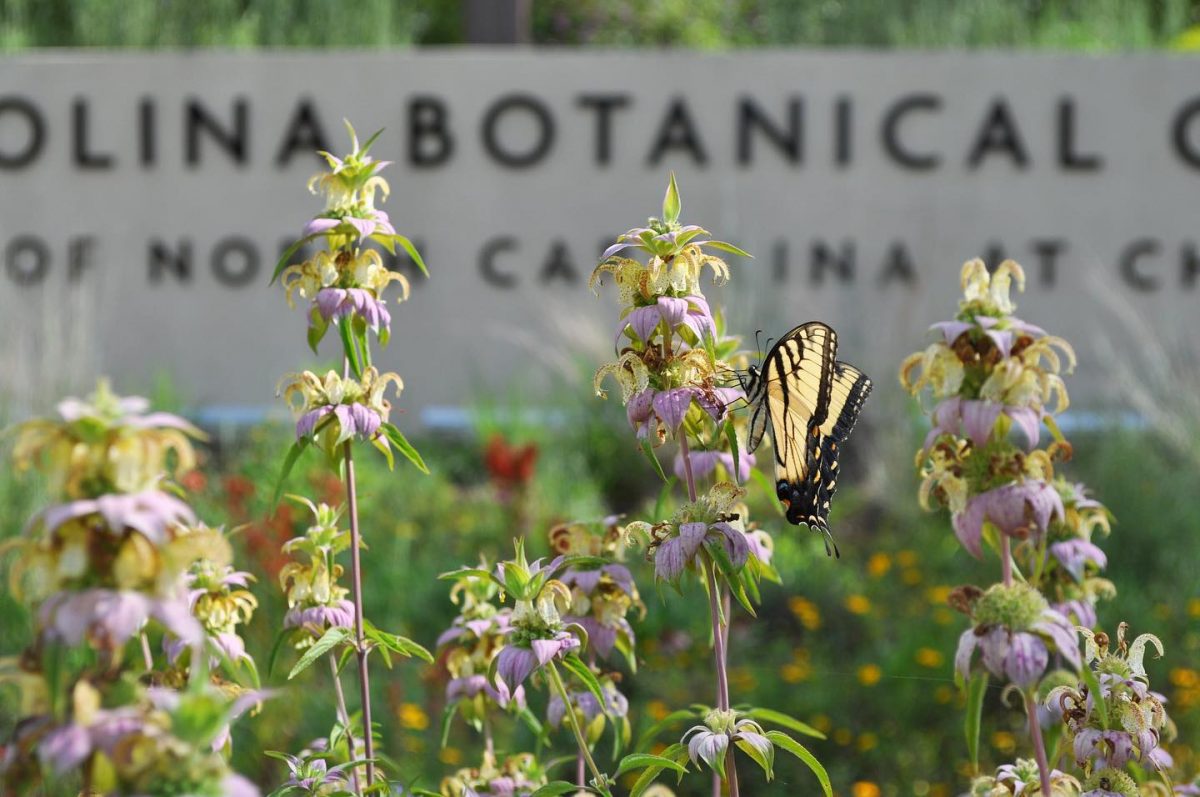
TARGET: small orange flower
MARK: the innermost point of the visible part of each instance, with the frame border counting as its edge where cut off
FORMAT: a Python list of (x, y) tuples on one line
[(858, 604), (870, 674)]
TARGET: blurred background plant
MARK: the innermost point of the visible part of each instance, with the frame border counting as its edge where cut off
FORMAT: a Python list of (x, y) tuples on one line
[(707, 24), (864, 656)]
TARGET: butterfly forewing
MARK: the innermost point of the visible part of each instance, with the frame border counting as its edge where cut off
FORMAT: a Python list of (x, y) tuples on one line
[(812, 402)]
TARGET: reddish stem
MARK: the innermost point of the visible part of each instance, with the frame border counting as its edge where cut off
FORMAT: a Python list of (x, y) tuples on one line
[(719, 630), (1039, 747), (364, 681), (344, 716)]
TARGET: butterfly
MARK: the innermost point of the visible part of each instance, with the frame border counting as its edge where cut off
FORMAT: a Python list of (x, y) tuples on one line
[(810, 401)]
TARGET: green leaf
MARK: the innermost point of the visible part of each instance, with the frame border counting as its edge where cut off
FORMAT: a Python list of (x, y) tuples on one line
[(535, 725), (317, 327), (976, 689), (651, 773), (291, 250), (671, 202), (783, 720), (367, 146), (764, 483), (289, 462), (765, 761), (555, 787), (648, 450), (580, 670), (470, 571), (654, 730), (642, 760), (682, 239), (398, 644), (1093, 685), (279, 640), (397, 438), (408, 247), (731, 437), (359, 326), (350, 347), (329, 640), (447, 719), (785, 742), (381, 445), (726, 247)]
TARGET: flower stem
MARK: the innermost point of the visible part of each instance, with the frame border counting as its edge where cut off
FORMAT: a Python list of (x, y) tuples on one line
[(580, 771), (687, 465), (720, 630), (1035, 736), (147, 657), (344, 717), (720, 654), (714, 611), (556, 680), (364, 681), (489, 745)]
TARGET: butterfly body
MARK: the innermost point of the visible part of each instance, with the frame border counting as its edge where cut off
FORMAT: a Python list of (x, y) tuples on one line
[(810, 401)]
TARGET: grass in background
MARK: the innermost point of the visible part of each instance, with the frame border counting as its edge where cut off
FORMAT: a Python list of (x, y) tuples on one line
[(704, 24)]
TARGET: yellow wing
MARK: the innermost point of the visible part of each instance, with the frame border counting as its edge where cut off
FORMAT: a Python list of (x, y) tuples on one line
[(812, 402)]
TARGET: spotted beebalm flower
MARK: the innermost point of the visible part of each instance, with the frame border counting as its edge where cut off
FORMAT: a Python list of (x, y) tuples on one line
[(1136, 717), (151, 513), (105, 444), (655, 414), (516, 776), (674, 544), (976, 418), (600, 599), (1109, 782), (1022, 779), (602, 589), (520, 659), (310, 774), (667, 316), (677, 257), (316, 602), (342, 284), (350, 187), (710, 742), (705, 463), (592, 715), (334, 409), (991, 361), (160, 744), (108, 618), (668, 365), (468, 648), (1070, 573), (1015, 631), (1022, 510), (220, 599)]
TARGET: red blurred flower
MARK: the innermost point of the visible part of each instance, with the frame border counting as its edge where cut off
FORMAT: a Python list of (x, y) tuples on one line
[(194, 481), (238, 489), (509, 467)]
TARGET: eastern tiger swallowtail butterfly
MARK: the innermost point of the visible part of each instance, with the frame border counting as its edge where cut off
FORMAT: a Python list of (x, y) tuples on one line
[(811, 401)]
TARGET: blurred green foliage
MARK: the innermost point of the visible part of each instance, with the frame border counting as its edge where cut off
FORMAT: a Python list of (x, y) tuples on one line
[(860, 647), (706, 24)]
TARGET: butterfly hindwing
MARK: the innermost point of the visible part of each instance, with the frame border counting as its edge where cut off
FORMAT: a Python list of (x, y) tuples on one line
[(812, 402)]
